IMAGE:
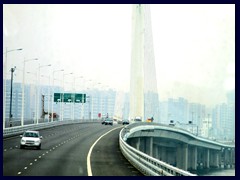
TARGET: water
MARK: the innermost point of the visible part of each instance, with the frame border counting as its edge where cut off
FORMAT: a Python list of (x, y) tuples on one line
[(222, 172)]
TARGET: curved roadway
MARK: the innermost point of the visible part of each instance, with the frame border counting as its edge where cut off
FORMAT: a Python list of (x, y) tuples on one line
[(64, 153)]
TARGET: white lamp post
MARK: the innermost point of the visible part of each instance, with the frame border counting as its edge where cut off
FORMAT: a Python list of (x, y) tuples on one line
[(23, 87), (48, 93), (100, 102), (53, 92), (39, 67), (5, 83)]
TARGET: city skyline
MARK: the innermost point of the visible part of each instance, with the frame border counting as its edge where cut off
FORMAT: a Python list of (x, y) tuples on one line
[(178, 110), (194, 48)]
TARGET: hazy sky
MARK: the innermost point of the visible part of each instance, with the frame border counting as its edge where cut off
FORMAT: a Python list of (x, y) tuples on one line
[(194, 46)]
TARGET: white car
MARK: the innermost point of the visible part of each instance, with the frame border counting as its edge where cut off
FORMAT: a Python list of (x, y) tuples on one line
[(31, 139)]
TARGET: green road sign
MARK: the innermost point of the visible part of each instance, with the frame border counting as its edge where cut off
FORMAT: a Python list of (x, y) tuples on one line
[(69, 97), (80, 98), (57, 97)]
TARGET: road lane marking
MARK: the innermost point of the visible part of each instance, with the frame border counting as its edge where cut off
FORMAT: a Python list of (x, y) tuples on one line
[(89, 169), (19, 173)]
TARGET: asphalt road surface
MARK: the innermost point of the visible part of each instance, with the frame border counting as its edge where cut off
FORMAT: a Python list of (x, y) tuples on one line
[(64, 153), (107, 159)]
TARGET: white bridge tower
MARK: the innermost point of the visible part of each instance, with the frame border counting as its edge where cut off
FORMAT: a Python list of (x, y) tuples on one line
[(143, 84)]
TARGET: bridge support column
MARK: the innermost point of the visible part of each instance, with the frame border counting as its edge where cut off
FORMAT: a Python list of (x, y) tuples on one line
[(142, 144), (226, 158), (138, 144), (149, 146), (155, 151), (233, 157), (163, 154), (182, 156), (185, 156), (215, 159), (206, 159), (213, 162), (193, 158)]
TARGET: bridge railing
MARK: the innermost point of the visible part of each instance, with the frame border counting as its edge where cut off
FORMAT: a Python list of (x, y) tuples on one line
[(146, 164), (11, 131)]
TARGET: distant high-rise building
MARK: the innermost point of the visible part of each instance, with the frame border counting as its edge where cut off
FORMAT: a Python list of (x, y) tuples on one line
[(224, 118), (231, 113)]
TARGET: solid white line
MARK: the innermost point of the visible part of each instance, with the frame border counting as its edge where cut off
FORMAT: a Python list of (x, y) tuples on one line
[(89, 169)]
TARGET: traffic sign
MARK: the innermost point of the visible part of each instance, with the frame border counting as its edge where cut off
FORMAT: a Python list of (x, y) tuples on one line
[(70, 97), (80, 98), (57, 97)]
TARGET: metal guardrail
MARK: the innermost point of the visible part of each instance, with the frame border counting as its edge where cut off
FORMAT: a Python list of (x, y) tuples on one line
[(146, 164), (11, 131)]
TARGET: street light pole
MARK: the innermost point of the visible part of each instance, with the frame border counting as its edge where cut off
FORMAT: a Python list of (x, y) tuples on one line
[(10, 112), (100, 102), (90, 100), (53, 92), (23, 87), (38, 87), (5, 84), (48, 93)]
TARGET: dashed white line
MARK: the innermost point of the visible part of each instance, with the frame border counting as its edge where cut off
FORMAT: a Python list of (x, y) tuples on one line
[(25, 167), (19, 172)]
